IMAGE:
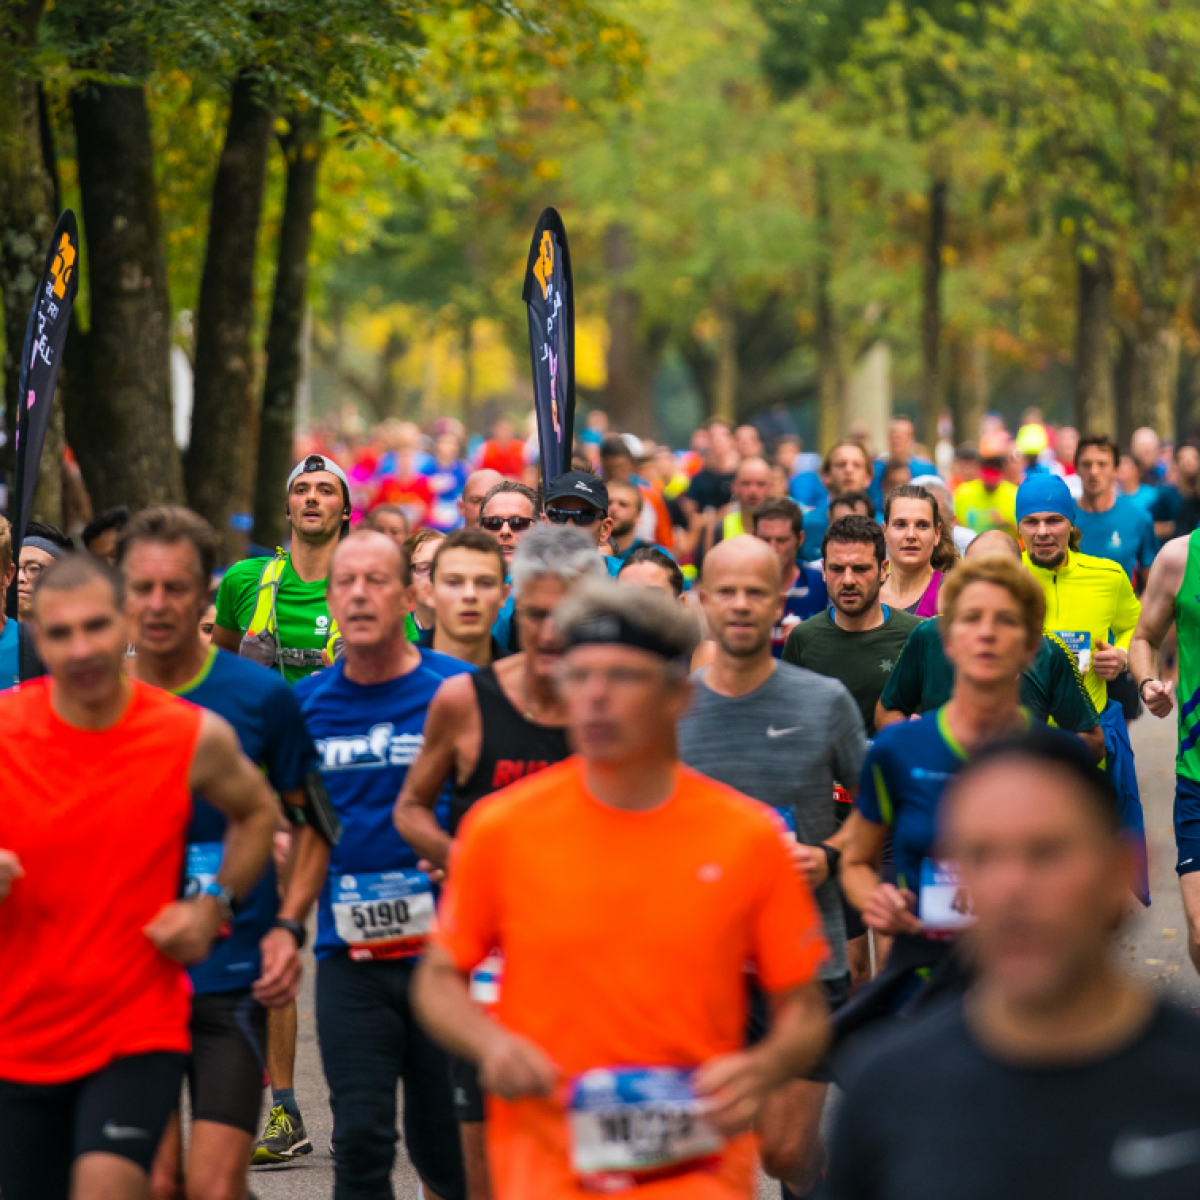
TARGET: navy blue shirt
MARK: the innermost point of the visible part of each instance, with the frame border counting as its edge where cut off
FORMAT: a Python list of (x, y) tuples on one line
[(367, 736), (1125, 534), (265, 715), (805, 598)]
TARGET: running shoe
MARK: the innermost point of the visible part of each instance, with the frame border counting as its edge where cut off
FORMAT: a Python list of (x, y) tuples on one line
[(284, 1139)]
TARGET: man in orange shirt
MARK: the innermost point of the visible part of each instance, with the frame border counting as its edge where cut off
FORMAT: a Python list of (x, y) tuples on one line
[(628, 896)]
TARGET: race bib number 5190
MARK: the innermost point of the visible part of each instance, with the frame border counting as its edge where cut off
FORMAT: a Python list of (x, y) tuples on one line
[(386, 914)]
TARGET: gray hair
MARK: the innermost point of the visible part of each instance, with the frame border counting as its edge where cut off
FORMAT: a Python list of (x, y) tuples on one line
[(511, 485), (554, 552), (647, 609)]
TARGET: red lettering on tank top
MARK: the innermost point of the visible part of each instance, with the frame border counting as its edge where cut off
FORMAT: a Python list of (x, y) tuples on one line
[(509, 770)]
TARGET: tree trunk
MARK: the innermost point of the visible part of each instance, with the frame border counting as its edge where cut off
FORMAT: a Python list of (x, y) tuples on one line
[(26, 200), (725, 387), (117, 400), (831, 379), (277, 420), (931, 306), (1095, 401), (1123, 385), (633, 356), (221, 449), (1155, 374)]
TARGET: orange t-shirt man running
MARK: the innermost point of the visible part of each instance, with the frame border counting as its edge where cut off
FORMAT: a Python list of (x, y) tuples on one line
[(627, 921)]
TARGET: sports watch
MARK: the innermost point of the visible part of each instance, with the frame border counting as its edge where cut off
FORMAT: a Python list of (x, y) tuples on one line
[(295, 928), (224, 898)]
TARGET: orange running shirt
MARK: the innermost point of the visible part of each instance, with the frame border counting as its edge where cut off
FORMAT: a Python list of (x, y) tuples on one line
[(99, 821), (626, 938)]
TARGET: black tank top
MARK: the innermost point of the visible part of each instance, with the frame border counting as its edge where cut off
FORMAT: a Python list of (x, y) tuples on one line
[(510, 747)]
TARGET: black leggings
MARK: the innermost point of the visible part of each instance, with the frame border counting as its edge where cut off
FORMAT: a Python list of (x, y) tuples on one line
[(121, 1109)]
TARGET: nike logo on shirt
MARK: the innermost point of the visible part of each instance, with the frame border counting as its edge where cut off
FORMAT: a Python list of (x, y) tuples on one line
[(1137, 1157), (773, 732)]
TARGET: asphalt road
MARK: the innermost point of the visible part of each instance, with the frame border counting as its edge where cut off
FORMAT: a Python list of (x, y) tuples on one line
[(1153, 945)]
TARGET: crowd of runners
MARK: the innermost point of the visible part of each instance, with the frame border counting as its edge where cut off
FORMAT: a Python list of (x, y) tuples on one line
[(688, 814)]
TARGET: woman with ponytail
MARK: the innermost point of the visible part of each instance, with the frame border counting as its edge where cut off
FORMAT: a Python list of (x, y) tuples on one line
[(920, 550)]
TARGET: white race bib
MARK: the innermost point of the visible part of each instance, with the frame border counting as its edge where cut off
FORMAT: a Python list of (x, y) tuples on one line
[(1079, 642), (387, 914), (201, 866), (943, 904), (629, 1125)]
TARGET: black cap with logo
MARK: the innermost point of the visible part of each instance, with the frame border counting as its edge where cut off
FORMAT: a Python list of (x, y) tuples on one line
[(579, 483)]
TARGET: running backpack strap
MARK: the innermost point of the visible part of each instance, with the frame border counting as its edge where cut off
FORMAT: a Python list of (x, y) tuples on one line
[(29, 666), (318, 810), (263, 618)]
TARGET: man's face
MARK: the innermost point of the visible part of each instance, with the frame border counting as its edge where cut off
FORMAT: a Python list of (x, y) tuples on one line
[(393, 524), (619, 703), (987, 642), (616, 468), (533, 610), (1127, 474), (1096, 472), (720, 440), (477, 486), (900, 438), (1046, 537), (777, 533), (742, 602), (207, 621), (600, 527), (647, 574), (1187, 463), (1144, 445), (624, 510), (751, 484), (33, 563), (367, 597), (81, 637), (509, 518), (104, 546), (421, 568), (853, 577), (1047, 885), (165, 596), (747, 440), (664, 464), (1066, 442), (503, 431), (848, 470), (445, 449), (468, 592), (316, 507)]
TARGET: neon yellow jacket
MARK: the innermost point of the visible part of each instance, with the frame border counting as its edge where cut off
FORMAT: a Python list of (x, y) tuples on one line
[(1088, 600)]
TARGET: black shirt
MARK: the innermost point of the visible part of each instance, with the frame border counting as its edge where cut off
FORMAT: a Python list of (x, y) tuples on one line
[(930, 1115), (710, 489)]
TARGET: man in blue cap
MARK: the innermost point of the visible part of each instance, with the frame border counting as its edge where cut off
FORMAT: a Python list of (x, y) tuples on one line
[(1090, 603)]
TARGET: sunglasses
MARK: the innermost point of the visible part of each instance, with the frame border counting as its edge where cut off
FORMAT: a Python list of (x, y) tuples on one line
[(516, 524), (583, 516)]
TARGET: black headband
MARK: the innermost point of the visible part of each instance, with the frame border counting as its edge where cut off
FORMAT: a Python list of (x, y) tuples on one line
[(612, 629)]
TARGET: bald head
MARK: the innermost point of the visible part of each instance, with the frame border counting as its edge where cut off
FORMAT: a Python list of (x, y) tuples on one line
[(370, 544), (742, 556), (741, 592), (994, 541), (478, 484), (751, 483)]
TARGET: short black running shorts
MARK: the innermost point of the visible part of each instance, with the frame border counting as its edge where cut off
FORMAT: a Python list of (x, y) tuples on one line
[(225, 1071), (121, 1109), (468, 1095)]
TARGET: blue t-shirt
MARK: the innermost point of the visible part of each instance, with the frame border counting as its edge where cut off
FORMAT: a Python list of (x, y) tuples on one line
[(265, 715), (367, 736), (816, 521), (916, 466), (805, 598), (10, 655), (447, 485), (1124, 534), (807, 490), (1145, 495)]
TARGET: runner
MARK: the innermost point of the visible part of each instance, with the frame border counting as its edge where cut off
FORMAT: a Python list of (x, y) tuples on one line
[(42, 546), (419, 550), (784, 736), (168, 555), (780, 523), (644, 965), (581, 500), (845, 469), (648, 566), (1111, 525), (478, 484), (625, 506), (992, 626), (1058, 1077), (751, 483), (18, 658), (99, 771), (273, 610), (466, 580), (101, 535), (485, 731), (1052, 688), (509, 511), (919, 550), (367, 713)]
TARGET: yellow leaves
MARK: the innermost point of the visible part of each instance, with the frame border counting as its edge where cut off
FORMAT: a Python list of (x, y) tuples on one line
[(591, 352), (950, 62), (1024, 62), (1067, 225), (949, 256), (547, 168)]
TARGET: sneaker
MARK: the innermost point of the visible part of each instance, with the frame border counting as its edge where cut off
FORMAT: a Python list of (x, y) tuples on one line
[(283, 1140)]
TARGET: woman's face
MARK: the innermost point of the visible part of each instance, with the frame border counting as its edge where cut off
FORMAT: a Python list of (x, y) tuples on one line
[(987, 642), (911, 533)]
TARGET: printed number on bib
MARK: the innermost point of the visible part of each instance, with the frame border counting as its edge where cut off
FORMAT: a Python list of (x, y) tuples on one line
[(388, 914), (201, 867), (943, 905), (1079, 643), (630, 1125)]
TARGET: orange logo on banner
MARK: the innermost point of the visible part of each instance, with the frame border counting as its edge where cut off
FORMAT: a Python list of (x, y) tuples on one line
[(544, 267), (60, 270)]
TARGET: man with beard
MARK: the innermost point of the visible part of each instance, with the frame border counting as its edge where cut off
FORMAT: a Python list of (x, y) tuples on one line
[(625, 508)]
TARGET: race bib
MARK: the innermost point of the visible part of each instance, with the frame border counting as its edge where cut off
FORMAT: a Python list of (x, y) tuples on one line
[(201, 866), (486, 980), (943, 904), (389, 914), (631, 1125), (1080, 645)]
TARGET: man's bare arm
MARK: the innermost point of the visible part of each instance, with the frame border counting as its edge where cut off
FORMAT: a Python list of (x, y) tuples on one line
[(1157, 617), (227, 639), (887, 716)]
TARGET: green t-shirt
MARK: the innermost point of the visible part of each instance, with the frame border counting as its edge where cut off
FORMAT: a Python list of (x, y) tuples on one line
[(862, 661), (300, 608), (1052, 688)]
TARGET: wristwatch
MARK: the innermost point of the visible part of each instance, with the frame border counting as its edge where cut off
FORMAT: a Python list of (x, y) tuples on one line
[(833, 856), (224, 898), (1141, 688), (295, 928)]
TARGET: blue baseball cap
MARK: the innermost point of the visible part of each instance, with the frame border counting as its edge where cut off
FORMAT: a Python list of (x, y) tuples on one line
[(1044, 493)]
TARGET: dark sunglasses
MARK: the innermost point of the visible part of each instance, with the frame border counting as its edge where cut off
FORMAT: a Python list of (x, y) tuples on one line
[(516, 524), (583, 516)]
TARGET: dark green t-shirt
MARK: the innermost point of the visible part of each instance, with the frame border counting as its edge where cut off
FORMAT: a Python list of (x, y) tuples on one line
[(862, 661), (1051, 688), (300, 608)]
